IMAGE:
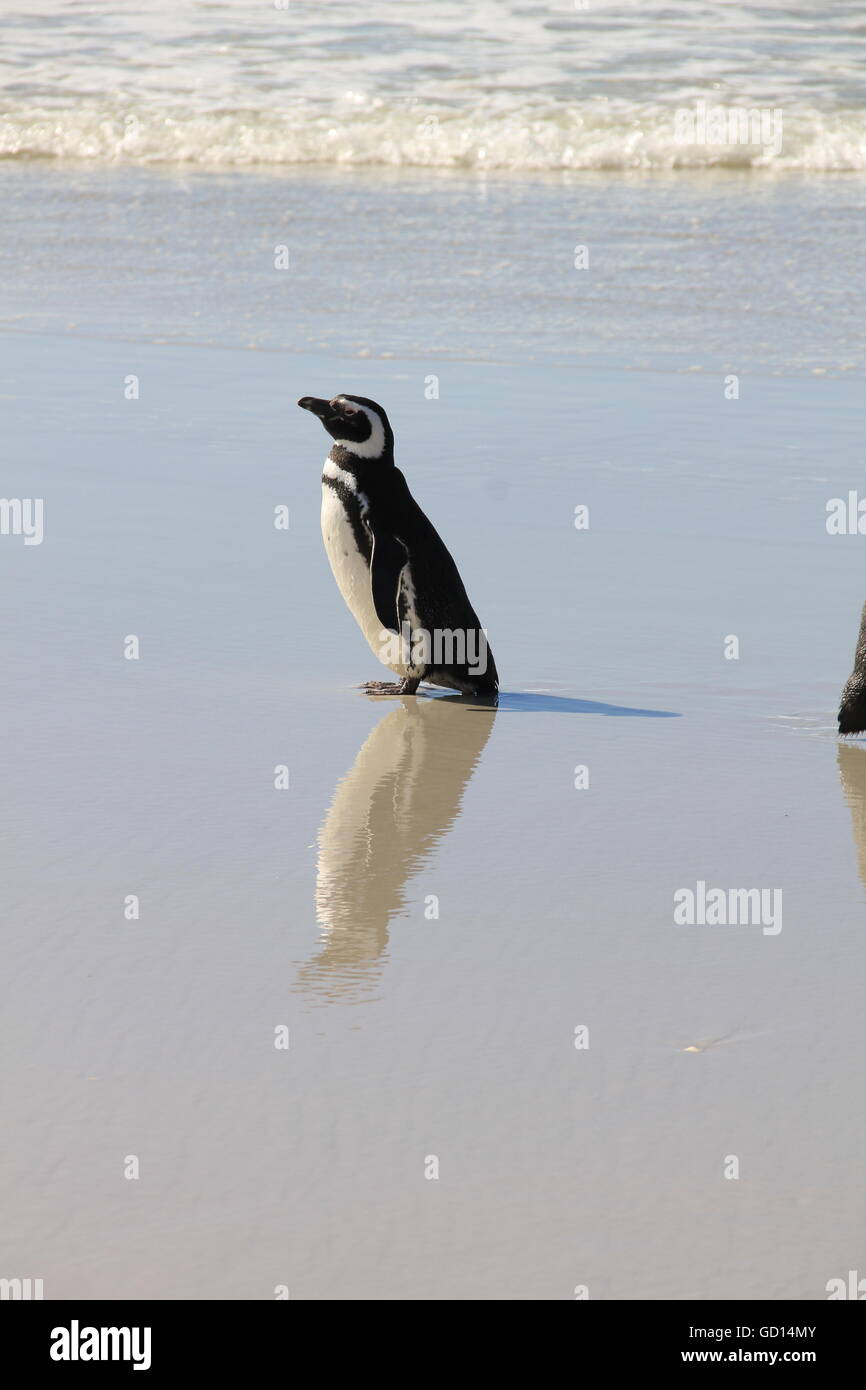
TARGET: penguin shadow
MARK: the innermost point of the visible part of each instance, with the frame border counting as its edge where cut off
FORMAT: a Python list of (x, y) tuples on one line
[(852, 771), (388, 813), (534, 702), (537, 702)]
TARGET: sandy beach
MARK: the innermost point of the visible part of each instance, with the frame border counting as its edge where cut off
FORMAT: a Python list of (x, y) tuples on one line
[(464, 916)]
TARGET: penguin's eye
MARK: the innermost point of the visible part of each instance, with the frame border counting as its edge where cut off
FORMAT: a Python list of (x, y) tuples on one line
[(350, 410)]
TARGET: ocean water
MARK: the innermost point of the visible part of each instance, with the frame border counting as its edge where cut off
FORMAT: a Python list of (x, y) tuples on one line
[(436, 902), (504, 84)]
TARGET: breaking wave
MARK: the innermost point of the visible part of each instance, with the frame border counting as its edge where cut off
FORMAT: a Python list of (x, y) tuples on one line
[(598, 134)]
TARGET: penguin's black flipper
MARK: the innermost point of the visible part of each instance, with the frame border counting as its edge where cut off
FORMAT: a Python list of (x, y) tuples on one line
[(386, 564)]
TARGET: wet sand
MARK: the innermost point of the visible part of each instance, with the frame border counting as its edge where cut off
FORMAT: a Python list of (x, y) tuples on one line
[(432, 907)]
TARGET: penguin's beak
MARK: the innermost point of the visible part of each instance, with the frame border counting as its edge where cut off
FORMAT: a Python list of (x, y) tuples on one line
[(317, 407)]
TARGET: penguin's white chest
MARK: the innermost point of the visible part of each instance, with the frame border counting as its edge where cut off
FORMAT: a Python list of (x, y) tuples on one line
[(352, 574)]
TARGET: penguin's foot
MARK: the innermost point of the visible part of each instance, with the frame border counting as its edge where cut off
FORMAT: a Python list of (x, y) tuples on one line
[(408, 686)]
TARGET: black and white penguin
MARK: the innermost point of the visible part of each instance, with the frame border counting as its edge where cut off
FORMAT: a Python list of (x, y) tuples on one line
[(852, 706), (395, 574)]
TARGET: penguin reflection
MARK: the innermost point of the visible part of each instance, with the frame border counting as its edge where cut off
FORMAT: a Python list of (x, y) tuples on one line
[(387, 815), (852, 769)]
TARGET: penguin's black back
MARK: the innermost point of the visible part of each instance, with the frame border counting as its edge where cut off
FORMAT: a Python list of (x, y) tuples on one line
[(441, 600)]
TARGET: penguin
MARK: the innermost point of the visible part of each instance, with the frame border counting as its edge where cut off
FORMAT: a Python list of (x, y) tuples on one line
[(852, 707), (392, 568)]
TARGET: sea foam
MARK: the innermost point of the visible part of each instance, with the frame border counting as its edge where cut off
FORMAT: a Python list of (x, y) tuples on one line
[(535, 136)]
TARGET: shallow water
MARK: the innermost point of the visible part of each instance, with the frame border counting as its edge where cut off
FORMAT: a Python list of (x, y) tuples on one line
[(714, 272)]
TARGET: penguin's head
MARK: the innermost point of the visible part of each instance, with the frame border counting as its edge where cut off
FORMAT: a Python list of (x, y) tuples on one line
[(355, 423)]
